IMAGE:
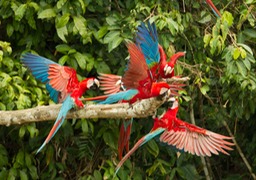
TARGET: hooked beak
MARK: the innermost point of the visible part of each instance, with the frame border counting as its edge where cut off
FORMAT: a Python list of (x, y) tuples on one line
[(96, 84), (167, 69)]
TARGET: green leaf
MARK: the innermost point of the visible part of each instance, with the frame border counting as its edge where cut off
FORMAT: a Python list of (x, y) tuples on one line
[(80, 24), (111, 20), (19, 13), (63, 48), (153, 148), (62, 21), (81, 60), (63, 59), (102, 67), (241, 68), (32, 130), (247, 48), (207, 38), (47, 14), (22, 131), (62, 32), (61, 3), (113, 44), (109, 139), (3, 156), (9, 30), (23, 175), (85, 128), (111, 36), (103, 30), (236, 53), (204, 89)]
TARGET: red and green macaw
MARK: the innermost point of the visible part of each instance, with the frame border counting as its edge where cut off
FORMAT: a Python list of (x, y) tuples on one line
[(184, 136), (214, 9), (154, 55), (62, 84)]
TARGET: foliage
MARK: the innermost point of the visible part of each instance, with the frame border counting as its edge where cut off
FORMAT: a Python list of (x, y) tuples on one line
[(90, 36)]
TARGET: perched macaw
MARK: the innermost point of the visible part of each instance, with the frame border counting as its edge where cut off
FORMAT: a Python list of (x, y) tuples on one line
[(184, 136), (62, 84), (214, 9)]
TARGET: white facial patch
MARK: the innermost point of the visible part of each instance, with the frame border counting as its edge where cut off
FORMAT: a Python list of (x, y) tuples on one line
[(163, 90), (90, 83)]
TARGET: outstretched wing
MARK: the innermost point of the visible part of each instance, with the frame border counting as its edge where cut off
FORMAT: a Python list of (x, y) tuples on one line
[(137, 68), (195, 140), (111, 83), (147, 40), (59, 79)]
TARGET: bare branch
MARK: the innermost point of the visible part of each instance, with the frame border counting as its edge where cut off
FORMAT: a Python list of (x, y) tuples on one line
[(143, 108)]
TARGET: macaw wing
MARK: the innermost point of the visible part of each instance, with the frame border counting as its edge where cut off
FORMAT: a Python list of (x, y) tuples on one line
[(58, 79), (140, 142), (137, 68), (111, 83), (147, 40), (195, 140)]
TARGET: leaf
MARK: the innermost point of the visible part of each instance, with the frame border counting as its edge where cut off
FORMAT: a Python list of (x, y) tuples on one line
[(111, 36), (103, 30), (85, 128), (81, 60), (62, 21), (109, 139), (251, 33), (9, 30), (20, 11), (62, 32), (204, 89), (23, 175), (80, 24), (63, 48), (241, 68), (236, 53), (102, 67), (153, 148), (207, 38), (61, 3), (63, 59), (111, 20), (113, 44), (22, 131), (32, 130), (47, 14), (247, 48)]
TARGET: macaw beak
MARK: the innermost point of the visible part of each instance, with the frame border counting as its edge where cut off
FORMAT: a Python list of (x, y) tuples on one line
[(96, 84), (167, 70)]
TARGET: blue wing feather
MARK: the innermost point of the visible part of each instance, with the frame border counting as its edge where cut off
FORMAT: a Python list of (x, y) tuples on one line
[(66, 106), (39, 67), (147, 40), (123, 95)]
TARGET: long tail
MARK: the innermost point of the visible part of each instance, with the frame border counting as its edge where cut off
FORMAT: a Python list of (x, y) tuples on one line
[(124, 137), (66, 106), (140, 142), (214, 9)]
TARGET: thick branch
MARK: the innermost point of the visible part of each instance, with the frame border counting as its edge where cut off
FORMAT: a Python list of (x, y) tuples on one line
[(143, 108)]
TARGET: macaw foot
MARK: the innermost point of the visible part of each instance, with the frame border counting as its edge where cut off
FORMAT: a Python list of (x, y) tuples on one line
[(79, 103)]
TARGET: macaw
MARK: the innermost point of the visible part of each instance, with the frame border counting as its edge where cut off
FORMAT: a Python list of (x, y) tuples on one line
[(147, 40), (184, 136), (214, 9), (62, 84), (139, 85)]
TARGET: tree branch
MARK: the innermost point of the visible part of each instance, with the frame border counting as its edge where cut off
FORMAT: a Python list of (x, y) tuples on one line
[(142, 108)]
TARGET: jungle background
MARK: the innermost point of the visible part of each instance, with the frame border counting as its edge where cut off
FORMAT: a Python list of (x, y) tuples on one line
[(90, 36)]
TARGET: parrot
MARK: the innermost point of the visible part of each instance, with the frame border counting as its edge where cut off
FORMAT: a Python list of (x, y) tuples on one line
[(214, 9), (62, 84), (147, 41), (184, 136)]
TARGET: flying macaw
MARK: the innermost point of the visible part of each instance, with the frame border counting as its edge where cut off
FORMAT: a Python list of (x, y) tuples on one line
[(184, 136), (62, 84), (147, 41), (139, 85), (214, 9)]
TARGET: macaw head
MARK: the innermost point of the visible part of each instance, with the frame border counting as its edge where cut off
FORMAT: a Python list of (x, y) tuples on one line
[(90, 83), (169, 67), (159, 89)]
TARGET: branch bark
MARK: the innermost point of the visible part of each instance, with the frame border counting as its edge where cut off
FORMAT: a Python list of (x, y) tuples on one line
[(140, 109)]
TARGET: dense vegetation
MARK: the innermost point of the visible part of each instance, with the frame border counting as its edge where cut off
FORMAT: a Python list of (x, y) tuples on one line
[(90, 36)]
